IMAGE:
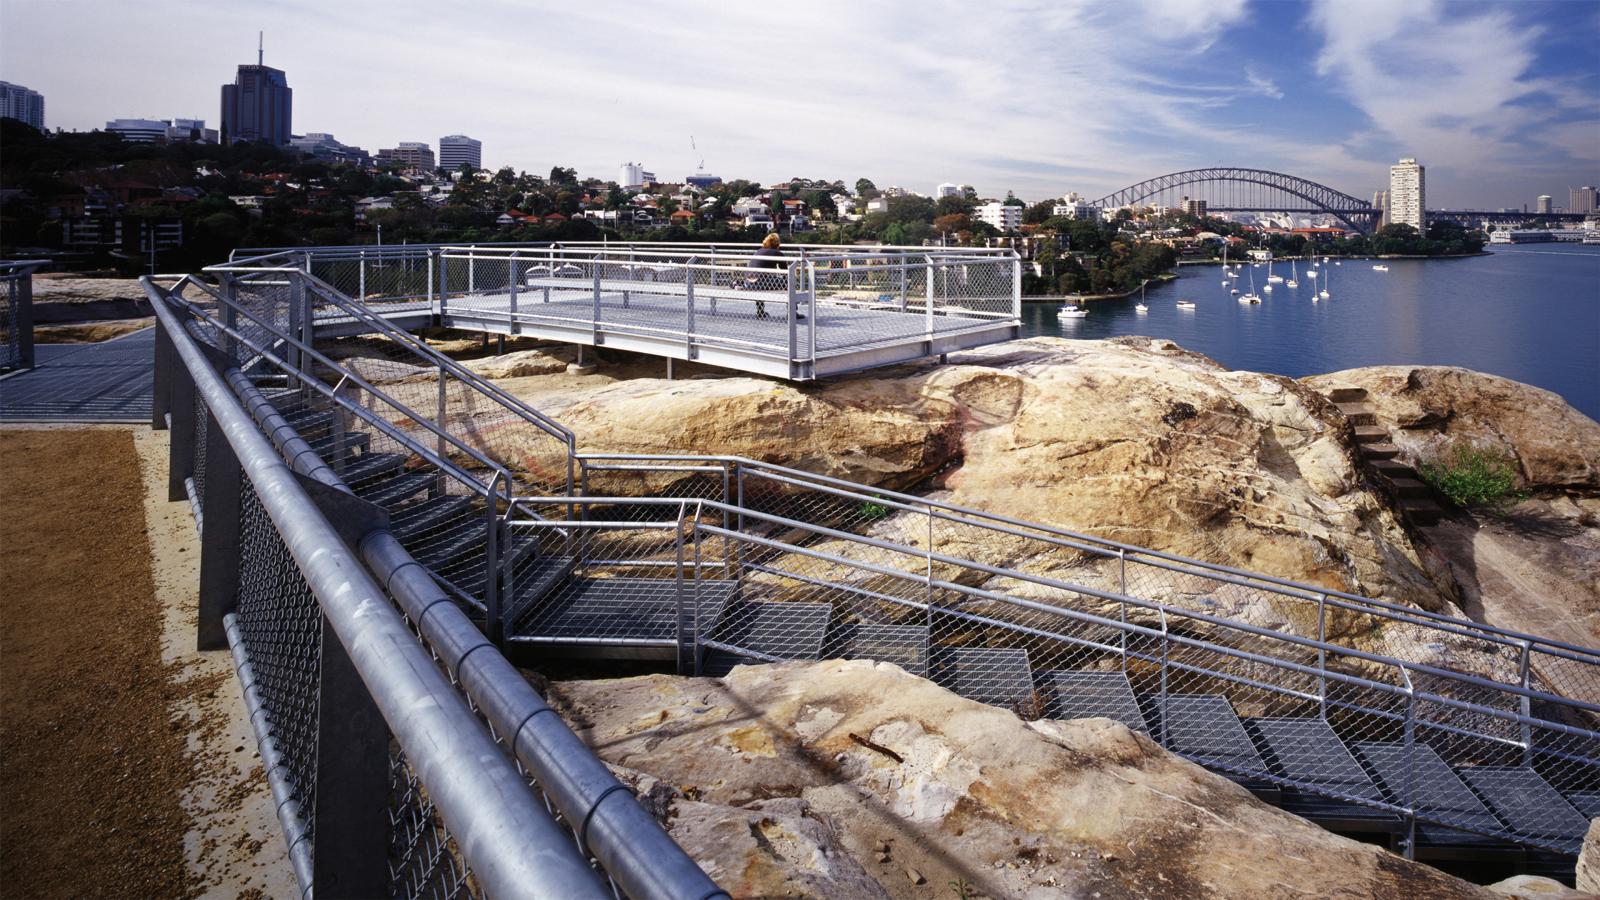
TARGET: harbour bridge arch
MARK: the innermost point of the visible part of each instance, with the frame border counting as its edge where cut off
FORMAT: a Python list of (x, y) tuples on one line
[(1252, 190)]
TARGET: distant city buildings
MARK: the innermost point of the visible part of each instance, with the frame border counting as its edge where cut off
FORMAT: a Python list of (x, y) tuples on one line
[(1000, 215), (162, 131), (322, 145), (258, 106), (634, 176), (1582, 200), (1542, 206), (1073, 206), (456, 150), (22, 104), (948, 189), (1408, 195), (411, 154), (1194, 208)]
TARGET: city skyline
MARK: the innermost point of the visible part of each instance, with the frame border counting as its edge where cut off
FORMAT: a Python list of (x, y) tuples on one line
[(1499, 102)]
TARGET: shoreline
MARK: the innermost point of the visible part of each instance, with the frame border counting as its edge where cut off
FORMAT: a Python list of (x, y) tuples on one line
[(1163, 278)]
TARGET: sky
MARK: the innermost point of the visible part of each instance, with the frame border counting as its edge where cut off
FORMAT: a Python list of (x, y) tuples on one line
[(1501, 101)]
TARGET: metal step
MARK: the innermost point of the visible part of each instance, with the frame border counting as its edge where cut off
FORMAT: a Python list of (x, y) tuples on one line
[(372, 465), (1528, 804), (1587, 803), (522, 548), (450, 544), (1081, 695), (1205, 727), (410, 522), (309, 421), (395, 490), (534, 580), (782, 630), (1419, 778), (1000, 676), (904, 645), (354, 442), (602, 611), (1307, 750)]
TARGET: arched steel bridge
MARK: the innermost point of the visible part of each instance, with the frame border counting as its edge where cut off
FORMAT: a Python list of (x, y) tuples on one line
[(1253, 190)]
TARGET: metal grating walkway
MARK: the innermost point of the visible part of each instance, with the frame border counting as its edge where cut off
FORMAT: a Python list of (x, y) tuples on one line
[(105, 382)]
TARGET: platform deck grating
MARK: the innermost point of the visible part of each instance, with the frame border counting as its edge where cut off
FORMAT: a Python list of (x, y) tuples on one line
[(618, 609), (1205, 727), (1526, 802), (1307, 750), (1083, 695), (104, 382), (904, 645), (994, 675)]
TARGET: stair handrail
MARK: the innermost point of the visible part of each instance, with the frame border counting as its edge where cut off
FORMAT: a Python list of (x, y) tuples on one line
[(1089, 543), (915, 553), (366, 415)]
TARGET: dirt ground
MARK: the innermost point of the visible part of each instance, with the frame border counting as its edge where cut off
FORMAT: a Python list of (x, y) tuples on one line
[(126, 765)]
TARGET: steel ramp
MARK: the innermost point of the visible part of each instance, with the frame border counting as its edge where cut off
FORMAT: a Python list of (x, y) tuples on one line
[(1072, 694)]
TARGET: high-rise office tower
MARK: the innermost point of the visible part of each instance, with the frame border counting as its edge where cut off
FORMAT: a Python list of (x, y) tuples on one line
[(1582, 199), (22, 104), (455, 149), (258, 105)]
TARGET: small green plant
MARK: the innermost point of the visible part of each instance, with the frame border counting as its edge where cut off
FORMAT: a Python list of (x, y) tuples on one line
[(1473, 476), (870, 510)]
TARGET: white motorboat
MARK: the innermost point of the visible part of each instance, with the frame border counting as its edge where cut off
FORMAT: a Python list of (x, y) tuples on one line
[(1069, 311), (1380, 268), (1266, 288), (1140, 308), (1311, 274), (1234, 292)]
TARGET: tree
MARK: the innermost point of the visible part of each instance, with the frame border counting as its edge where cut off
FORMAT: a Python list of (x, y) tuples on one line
[(1039, 213), (559, 175), (863, 185), (953, 205), (951, 223)]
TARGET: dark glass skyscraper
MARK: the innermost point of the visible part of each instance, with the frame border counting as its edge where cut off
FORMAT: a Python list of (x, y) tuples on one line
[(257, 106)]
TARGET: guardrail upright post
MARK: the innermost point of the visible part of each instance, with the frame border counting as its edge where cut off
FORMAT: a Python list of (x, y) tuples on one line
[(1322, 655), (694, 540), (439, 414), (927, 312), (433, 296), (180, 436), (688, 328), (683, 615), (161, 372), (494, 536), (22, 318), (296, 327), (444, 285), (472, 269), (811, 306), (1162, 723), (1408, 788), (230, 314), (792, 324), (1525, 703), (361, 276), (511, 288), (1122, 605), (594, 317), (220, 540)]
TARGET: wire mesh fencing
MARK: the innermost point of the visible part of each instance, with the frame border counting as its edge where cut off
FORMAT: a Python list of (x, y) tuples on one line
[(16, 313)]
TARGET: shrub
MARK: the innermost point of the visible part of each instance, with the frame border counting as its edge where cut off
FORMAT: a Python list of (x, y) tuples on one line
[(869, 510), (1473, 476)]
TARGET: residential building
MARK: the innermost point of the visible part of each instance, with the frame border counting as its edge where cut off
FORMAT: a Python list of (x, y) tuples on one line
[(1194, 207), (1542, 205), (1000, 215), (1408, 195), (411, 154), (139, 131), (1073, 206), (948, 189), (878, 205), (458, 149), (22, 104), (258, 106), (1582, 200), (634, 176)]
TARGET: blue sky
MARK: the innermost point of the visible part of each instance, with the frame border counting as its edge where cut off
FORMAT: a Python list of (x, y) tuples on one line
[(1500, 100)]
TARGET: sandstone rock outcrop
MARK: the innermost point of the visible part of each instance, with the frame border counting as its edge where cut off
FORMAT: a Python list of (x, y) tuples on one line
[(851, 778), (1428, 408)]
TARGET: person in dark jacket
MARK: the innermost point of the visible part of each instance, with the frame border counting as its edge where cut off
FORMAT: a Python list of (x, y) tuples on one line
[(768, 257)]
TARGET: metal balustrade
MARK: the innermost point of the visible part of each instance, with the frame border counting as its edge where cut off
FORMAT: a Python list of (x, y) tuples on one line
[(16, 312), (1446, 733)]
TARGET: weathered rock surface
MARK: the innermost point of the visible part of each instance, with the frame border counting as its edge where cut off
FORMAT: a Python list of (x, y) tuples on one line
[(851, 778), (1429, 408), (1536, 887), (1588, 875)]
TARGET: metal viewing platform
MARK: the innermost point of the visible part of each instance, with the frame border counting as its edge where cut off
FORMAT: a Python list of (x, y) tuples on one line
[(810, 312)]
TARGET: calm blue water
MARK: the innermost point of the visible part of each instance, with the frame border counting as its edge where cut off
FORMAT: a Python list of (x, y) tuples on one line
[(1529, 312)]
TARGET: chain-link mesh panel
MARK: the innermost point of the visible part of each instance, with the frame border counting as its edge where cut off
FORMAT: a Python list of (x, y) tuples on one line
[(10, 336), (424, 861), (202, 421), (280, 623)]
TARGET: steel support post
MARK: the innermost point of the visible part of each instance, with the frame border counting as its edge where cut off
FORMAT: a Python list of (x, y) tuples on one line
[(1525, 674), (351, 842), (511, 287), (161, 375), (221, 541), (180, 437), (22, 320)]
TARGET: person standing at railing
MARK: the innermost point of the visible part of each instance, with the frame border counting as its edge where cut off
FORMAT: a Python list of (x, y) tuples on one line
[(768, 257)]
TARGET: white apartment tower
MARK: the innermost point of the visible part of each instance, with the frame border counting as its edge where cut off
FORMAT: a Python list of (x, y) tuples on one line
[(1001, 216), (455, 149), (947, 190), (1408, 195)]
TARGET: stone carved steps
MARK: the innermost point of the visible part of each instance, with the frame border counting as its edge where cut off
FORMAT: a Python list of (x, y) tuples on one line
[(1412, 495)]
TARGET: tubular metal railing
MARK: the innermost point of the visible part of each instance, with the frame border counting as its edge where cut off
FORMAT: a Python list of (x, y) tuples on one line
[(443, 809), (1407, 690)]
